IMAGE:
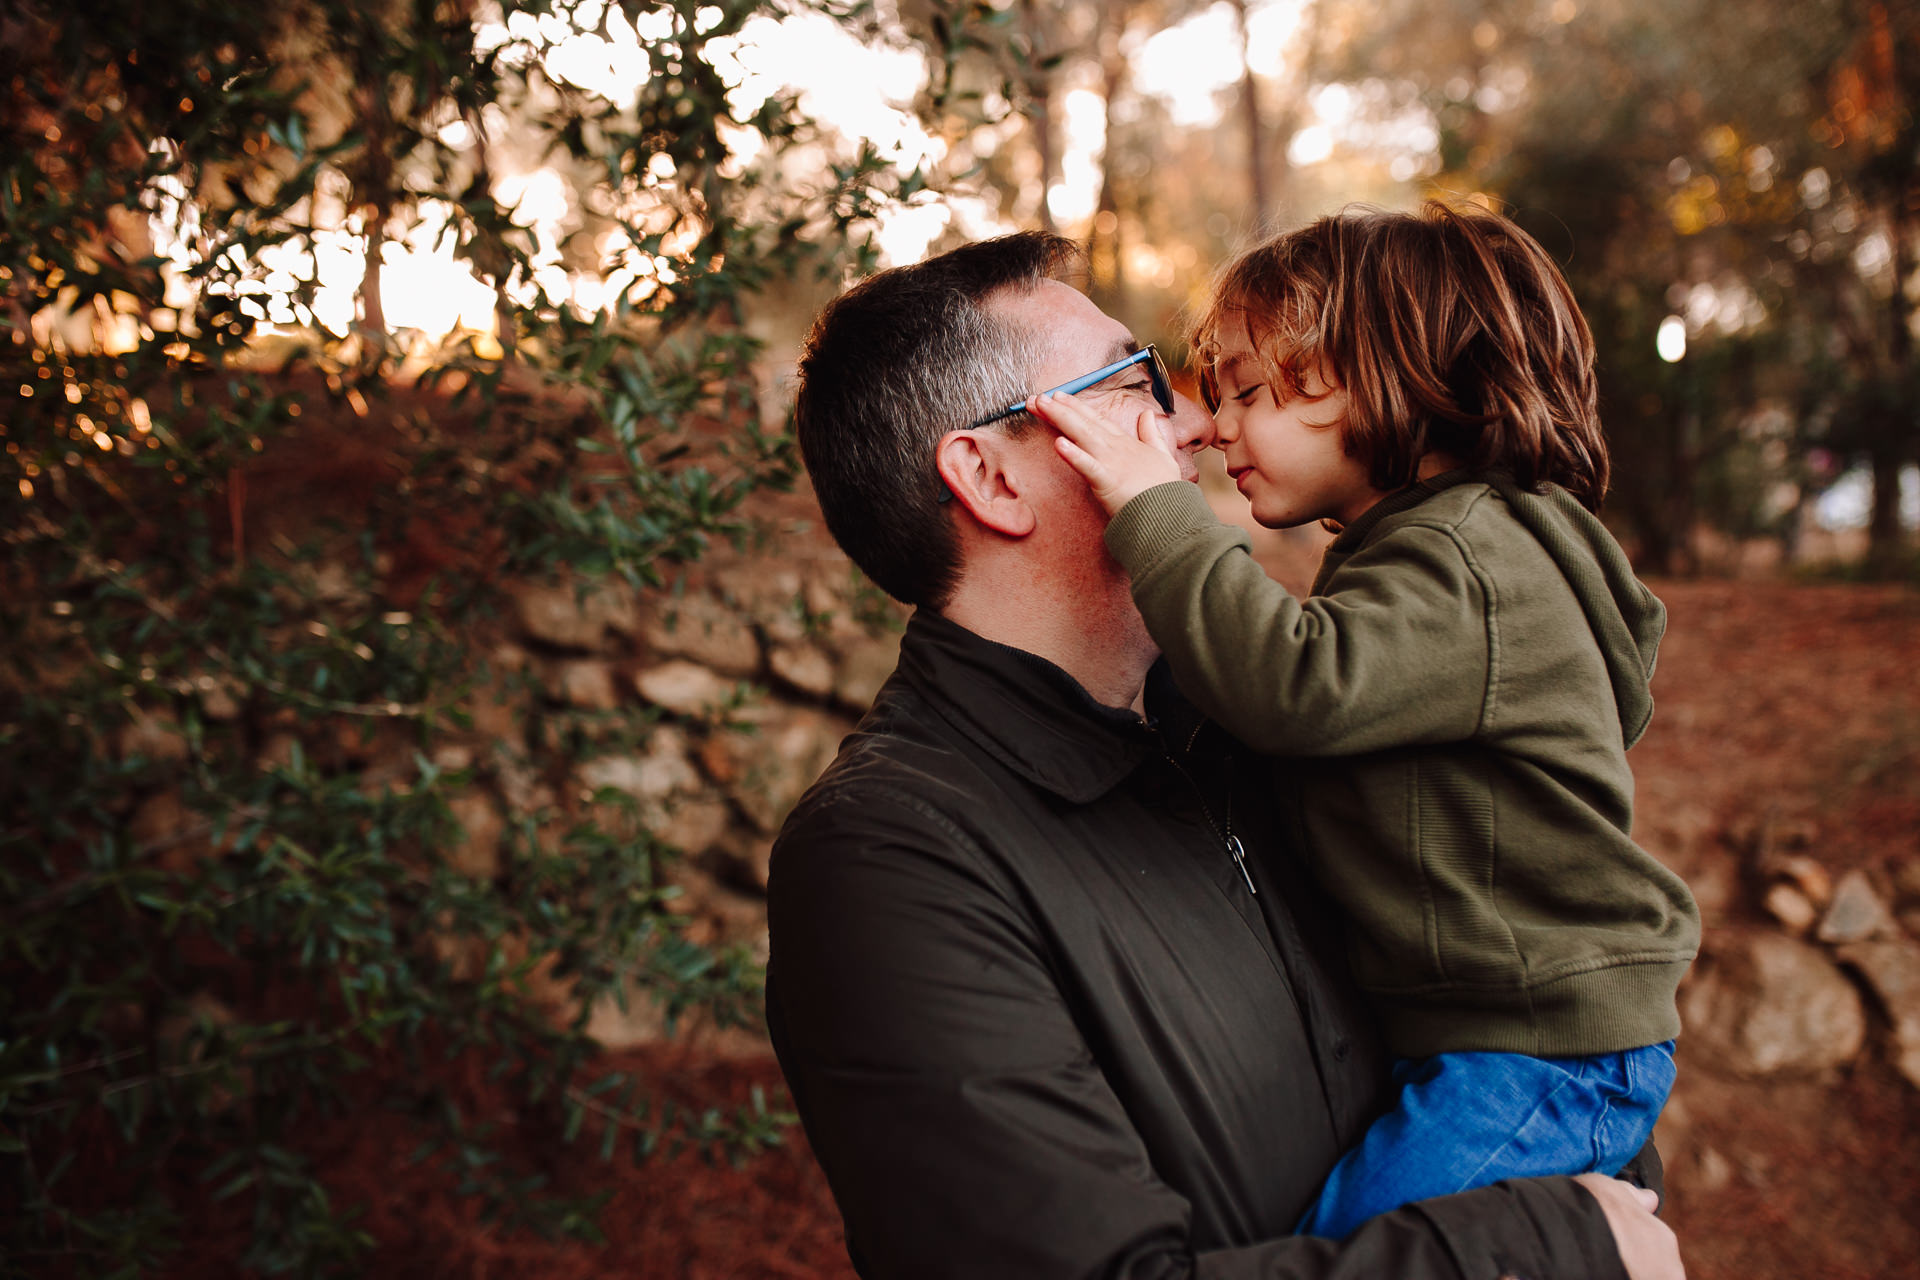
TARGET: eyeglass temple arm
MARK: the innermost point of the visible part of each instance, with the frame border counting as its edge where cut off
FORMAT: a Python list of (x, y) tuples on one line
[(1078, 385)]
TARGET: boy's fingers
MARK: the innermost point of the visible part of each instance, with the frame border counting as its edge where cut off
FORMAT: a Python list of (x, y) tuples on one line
[(1047, 409), (1146, 429), (1080, 460), (1069, 415), (1051, 406), (1073, 424)]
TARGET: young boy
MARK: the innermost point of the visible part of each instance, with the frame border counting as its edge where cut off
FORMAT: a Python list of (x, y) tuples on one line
[(1453, 703)]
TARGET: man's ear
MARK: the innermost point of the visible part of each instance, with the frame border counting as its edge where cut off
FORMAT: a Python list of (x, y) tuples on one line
[(977, 467)]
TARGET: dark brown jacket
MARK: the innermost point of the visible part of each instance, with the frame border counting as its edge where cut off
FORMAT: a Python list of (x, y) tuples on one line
[(1037, 1025)]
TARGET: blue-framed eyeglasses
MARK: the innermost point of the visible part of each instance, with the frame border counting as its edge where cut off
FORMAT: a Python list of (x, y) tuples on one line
[(1147, 355), (1157, 379)]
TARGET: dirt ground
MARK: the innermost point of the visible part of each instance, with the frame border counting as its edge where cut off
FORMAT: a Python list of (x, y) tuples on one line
[(1787, 712)]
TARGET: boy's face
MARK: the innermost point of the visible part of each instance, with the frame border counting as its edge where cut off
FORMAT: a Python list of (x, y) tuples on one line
[(1288, 459)]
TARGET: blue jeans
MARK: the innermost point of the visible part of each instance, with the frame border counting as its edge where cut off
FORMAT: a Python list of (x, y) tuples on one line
[(1468, 1120)]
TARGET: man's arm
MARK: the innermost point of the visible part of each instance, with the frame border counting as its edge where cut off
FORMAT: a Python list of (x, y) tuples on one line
[(966, 1128)]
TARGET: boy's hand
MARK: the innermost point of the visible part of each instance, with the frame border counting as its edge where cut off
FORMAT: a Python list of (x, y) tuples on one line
[(1118, 465)]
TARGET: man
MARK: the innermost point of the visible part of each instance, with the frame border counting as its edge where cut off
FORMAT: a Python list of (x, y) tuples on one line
[(1040, 1015)]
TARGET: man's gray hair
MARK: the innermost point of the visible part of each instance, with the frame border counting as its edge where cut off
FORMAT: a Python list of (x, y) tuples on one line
[(891, 366)]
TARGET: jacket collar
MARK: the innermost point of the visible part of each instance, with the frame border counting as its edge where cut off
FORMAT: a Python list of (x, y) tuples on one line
[(1022, 710)]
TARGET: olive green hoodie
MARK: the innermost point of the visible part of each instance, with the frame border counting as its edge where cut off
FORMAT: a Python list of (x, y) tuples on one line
[(1452, 707)]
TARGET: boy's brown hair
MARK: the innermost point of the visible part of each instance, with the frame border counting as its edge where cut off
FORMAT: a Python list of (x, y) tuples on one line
[(1450, 329)]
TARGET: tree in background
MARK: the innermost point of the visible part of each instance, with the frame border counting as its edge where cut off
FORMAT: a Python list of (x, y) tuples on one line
[(233, 744), (1745, 174), (1871, 94), (1733, 178), (1000, 88)]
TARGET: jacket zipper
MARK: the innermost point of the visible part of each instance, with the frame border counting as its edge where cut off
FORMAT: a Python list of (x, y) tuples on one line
[(1235, 850)]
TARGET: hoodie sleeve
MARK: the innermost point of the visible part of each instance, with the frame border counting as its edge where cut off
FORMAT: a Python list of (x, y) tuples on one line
[(1401, 654)]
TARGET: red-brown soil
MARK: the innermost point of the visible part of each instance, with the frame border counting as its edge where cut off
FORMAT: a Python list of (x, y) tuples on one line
[(685, 1215), (1787, 715)]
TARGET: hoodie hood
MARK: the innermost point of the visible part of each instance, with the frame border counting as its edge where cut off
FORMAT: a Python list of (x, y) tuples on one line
[(1627, 619)]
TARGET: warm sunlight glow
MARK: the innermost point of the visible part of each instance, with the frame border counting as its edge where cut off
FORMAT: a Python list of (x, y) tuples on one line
[(905, 234), (1671, 341), (1311, 145), (1190, 63), (863, 92), (1072, 198)]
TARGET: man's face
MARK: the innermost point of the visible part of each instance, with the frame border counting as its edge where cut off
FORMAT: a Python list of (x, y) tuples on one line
[(1074, 337), (1077, 337)]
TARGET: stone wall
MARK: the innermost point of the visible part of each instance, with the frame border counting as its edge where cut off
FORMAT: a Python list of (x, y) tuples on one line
[(712, 706), (1838, 971), (701, 712), (745, 680)]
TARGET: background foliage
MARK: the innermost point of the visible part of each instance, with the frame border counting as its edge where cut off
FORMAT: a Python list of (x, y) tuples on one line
[(1747, 174), (230, 729)]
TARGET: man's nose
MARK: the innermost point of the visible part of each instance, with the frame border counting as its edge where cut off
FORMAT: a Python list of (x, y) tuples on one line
[(1189, 427)]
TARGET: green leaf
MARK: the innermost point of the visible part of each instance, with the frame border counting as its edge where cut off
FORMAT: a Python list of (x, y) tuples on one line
[(234, 1186)]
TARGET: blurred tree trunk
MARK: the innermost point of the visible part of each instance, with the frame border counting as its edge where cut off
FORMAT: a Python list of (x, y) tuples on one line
[(1106, 258), (1886, 541), (1268, 168), (1313, 28), (1258, 193), (1871, 96), (373, 181), (505, 332), (1043, 143), (373, 315), (1893, 438), (1040, 96)]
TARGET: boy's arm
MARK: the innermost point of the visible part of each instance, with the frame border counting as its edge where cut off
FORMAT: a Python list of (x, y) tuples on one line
[(1400, 655)]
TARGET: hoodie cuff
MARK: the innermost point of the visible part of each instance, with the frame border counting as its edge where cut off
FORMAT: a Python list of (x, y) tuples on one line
[(1157, 521)]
